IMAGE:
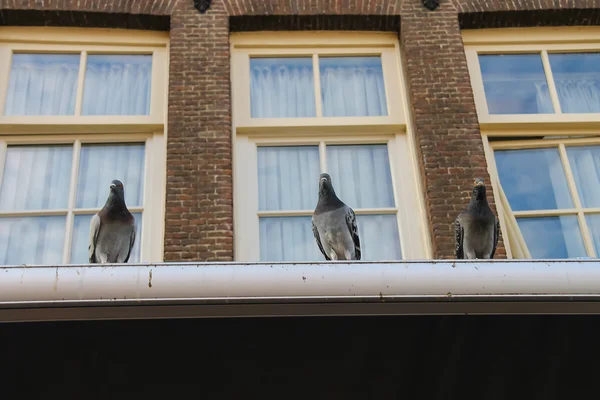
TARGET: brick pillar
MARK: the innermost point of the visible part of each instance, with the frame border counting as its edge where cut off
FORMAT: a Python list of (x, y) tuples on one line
[(444, 117), (199, 207)]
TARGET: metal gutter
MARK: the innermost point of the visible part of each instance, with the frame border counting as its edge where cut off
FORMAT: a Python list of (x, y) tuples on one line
[(191, 290)]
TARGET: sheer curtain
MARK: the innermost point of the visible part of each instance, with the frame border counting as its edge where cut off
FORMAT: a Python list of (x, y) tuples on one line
[(42, 84), (32, 240), (577, 79), (101, 163), (36, 178), (352, 87), (282, 87), (288, 180), (585, 164), (117, 85)]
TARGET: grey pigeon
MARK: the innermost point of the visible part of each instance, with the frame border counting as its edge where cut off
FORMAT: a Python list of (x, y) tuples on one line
[(334, 225), (476, 229), (112, 230)]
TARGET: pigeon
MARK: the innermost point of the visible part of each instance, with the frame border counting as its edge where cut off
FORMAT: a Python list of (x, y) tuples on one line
[(476, 229), (112, 230), (334, 225)]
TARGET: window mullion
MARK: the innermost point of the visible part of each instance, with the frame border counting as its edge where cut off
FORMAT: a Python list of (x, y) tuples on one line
[(323, 156), (3, 148), (5, 62), (80, 82), (317, 83), (72, 197), (550, 80)]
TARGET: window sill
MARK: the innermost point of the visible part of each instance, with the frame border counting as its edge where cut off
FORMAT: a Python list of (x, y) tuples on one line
[(194, 290)]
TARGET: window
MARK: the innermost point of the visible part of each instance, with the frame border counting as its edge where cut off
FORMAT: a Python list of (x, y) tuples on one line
[(537, 93), (77, 110), (311, 103)]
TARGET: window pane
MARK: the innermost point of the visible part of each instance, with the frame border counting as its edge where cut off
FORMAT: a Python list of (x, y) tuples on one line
[(282, 87), (36, 178), (81, 239), (352, 86), (117, 85), (99, 164), (585, 163), (361, 175), (379, 239), (31, 240), (42, 84), (288, 177), (577, 79), (593, 221), (552, 237), (515, 84), (533, 179), (288, 239)]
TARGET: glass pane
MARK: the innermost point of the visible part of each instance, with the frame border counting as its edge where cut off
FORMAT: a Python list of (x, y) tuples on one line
[(515, 84), (379, 239), (42, 84), (577, 79), (36, 178), (593, 221), (352, 86), (81, 239), (282, 87), (32, 240), (585, 164), (533, 179), (99, 164), (288, 177), (288, 239), (361, 175), (117, 85), (552, 237)]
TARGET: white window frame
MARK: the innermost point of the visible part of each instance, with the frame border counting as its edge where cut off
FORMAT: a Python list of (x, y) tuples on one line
[(557, 129), (392, 130), (78, 129)]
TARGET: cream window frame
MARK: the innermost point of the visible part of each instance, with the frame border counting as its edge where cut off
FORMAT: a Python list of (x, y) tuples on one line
[(78, 129), (529, 41), (393, 130)]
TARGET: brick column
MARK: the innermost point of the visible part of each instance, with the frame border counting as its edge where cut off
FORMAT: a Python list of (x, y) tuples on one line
[(444, 118)]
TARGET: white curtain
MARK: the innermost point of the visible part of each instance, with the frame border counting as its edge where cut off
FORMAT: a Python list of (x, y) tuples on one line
[(288, 180), (352, 87), (282, 88), (42, 84), (361, 175), (117, 85), (36, 178), (100, 164), (579, 96), (288, 177), (32, 240), (593, 221), (585, 164), (81, 231), (543, 99)]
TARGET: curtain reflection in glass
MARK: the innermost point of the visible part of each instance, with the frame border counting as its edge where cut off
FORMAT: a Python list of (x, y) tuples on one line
[(515, 84), (379, 237), (585, 164), (288, 239), (81, 231), (552, 237), (99, 164), (42, 84), (32, 240), (117, 85), (533, 179), (36, 178), (352, 87), (282, 87), (577, 80)]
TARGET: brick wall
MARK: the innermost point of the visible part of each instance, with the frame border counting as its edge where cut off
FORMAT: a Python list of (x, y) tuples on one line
[(199, 207)]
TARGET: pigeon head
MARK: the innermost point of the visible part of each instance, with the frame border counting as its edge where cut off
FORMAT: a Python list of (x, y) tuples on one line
[(117, 193), (478, 189), (325, 186)]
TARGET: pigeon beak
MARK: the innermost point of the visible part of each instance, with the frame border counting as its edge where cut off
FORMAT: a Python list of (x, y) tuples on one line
[(113, 186)]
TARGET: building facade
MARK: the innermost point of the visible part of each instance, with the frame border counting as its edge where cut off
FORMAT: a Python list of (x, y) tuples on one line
[(220, 119)]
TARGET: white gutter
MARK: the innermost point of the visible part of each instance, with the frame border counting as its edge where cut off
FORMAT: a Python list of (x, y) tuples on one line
[(178, 290)]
